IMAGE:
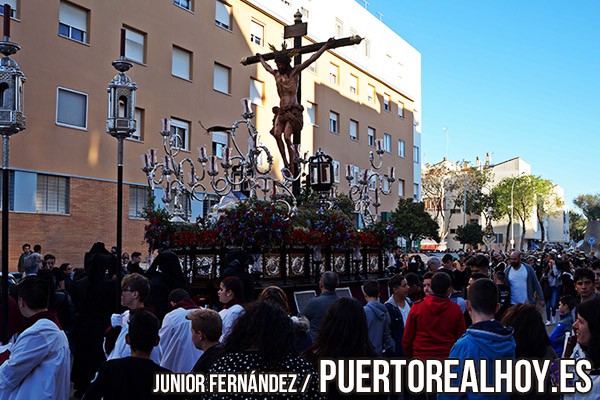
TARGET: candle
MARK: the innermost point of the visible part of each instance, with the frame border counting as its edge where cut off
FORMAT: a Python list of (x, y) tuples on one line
[(166, 125), (167, 162), (247, 105), (227, 154), (213, 164), (366, 175), (379, 144), (202, 153), (145, 160), (192, 178), (152, 157), (123, 42), (274, 191), (348, 170), (392, 172), (6, 21)]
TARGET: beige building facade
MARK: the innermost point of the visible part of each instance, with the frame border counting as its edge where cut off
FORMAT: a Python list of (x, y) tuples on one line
[(186, 56)]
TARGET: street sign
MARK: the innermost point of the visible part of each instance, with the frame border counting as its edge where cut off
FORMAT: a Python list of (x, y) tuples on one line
[(591, 240)]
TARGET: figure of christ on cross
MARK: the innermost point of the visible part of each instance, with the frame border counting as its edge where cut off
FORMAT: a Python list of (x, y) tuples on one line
[(288, 116)]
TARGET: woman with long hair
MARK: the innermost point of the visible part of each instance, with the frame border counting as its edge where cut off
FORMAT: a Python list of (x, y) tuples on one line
[(262, 340), (231, 295), (587, 332)]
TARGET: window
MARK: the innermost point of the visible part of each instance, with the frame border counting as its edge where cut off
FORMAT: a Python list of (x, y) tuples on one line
[(11, 191), (339, 28), (209, 201), (257, 33), (337, 173), (401, 187), (72, 22), (52, 194), (219, 142), (222, 78), (313, 67), (181, 131), (416, 155), (186, 4), (353, 32), (134, 45), (356, 173), (387, 142), (401, 147), (138, 198), (367, 47), (334, 72), (371, 94), (257, 91), (400, 109), (223, 15), (305, 12), (311, 111), (353, 129), (139, 126), (333, 122), (353, 84), (13, 8), (71, 108), (182, 63), (386, 102), (371, 136), (416, 191)]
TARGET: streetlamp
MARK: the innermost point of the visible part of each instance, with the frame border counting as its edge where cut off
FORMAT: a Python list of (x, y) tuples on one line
[(121, 124), (12, 121), (512, 213)]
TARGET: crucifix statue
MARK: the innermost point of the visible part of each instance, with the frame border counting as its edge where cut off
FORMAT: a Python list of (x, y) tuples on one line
[(287, 121)]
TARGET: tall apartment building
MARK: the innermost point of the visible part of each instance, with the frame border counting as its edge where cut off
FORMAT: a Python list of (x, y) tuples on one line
[(186, 56)]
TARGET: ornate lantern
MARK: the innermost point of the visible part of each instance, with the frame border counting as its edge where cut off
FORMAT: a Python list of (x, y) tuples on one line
[(320, 172), (12, 119)]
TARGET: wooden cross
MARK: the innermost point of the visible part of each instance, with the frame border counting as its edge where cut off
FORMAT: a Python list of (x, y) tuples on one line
[(297, 31)]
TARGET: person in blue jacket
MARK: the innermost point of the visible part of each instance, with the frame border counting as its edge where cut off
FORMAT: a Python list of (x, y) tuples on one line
[(557, 337), (486, 339)]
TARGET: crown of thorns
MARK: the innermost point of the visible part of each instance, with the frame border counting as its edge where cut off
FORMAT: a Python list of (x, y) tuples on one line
[(284, 55)]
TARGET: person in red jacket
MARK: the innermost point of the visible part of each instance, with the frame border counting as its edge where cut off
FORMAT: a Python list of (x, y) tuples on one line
[(434, 324)]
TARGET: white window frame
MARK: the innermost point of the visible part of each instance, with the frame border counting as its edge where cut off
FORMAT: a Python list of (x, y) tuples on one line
[(387, 142), (416, 154), (257, 33), (353, 84), (339, 28), (311, 112), (400, 109), (138, 199), (334, 74), (85, 95), (334, 122), (42, 200), (337, 173), (70, 16), (218, 86), (179, 126), (220, 140), (353, 129), (179, 68), (13, 8), (371, 132), (367, 47), (134, 38), (386, 102), (416, 191), (190, 7), (220, 9), (257, 91), (401, 184), (401, 148)]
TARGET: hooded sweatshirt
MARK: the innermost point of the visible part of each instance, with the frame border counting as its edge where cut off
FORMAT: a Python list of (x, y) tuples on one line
[(378, 323), (486, 340), (432, 327)]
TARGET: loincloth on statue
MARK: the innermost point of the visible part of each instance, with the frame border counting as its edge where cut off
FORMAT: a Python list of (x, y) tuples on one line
[(291, 114)]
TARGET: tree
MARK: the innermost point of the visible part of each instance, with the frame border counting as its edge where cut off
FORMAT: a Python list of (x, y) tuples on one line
[(448, 186), (410, 221), (589, 205), (577, 225), (470, 234), (548, 202), (524, 200)]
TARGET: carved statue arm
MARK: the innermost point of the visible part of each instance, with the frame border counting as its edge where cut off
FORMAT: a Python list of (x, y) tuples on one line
[(265, 65), (315, 55)]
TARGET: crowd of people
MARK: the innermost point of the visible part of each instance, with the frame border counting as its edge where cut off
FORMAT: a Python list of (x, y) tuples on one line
[(78, 333)]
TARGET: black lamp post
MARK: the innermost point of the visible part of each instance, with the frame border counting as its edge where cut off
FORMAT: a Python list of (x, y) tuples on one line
[(121, 124), (12, 120)]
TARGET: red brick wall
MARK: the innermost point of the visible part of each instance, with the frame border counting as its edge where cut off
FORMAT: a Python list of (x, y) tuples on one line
[(92, 218)]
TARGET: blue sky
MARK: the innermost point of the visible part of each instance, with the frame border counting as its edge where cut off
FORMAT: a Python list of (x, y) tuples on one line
[(511, 77)]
